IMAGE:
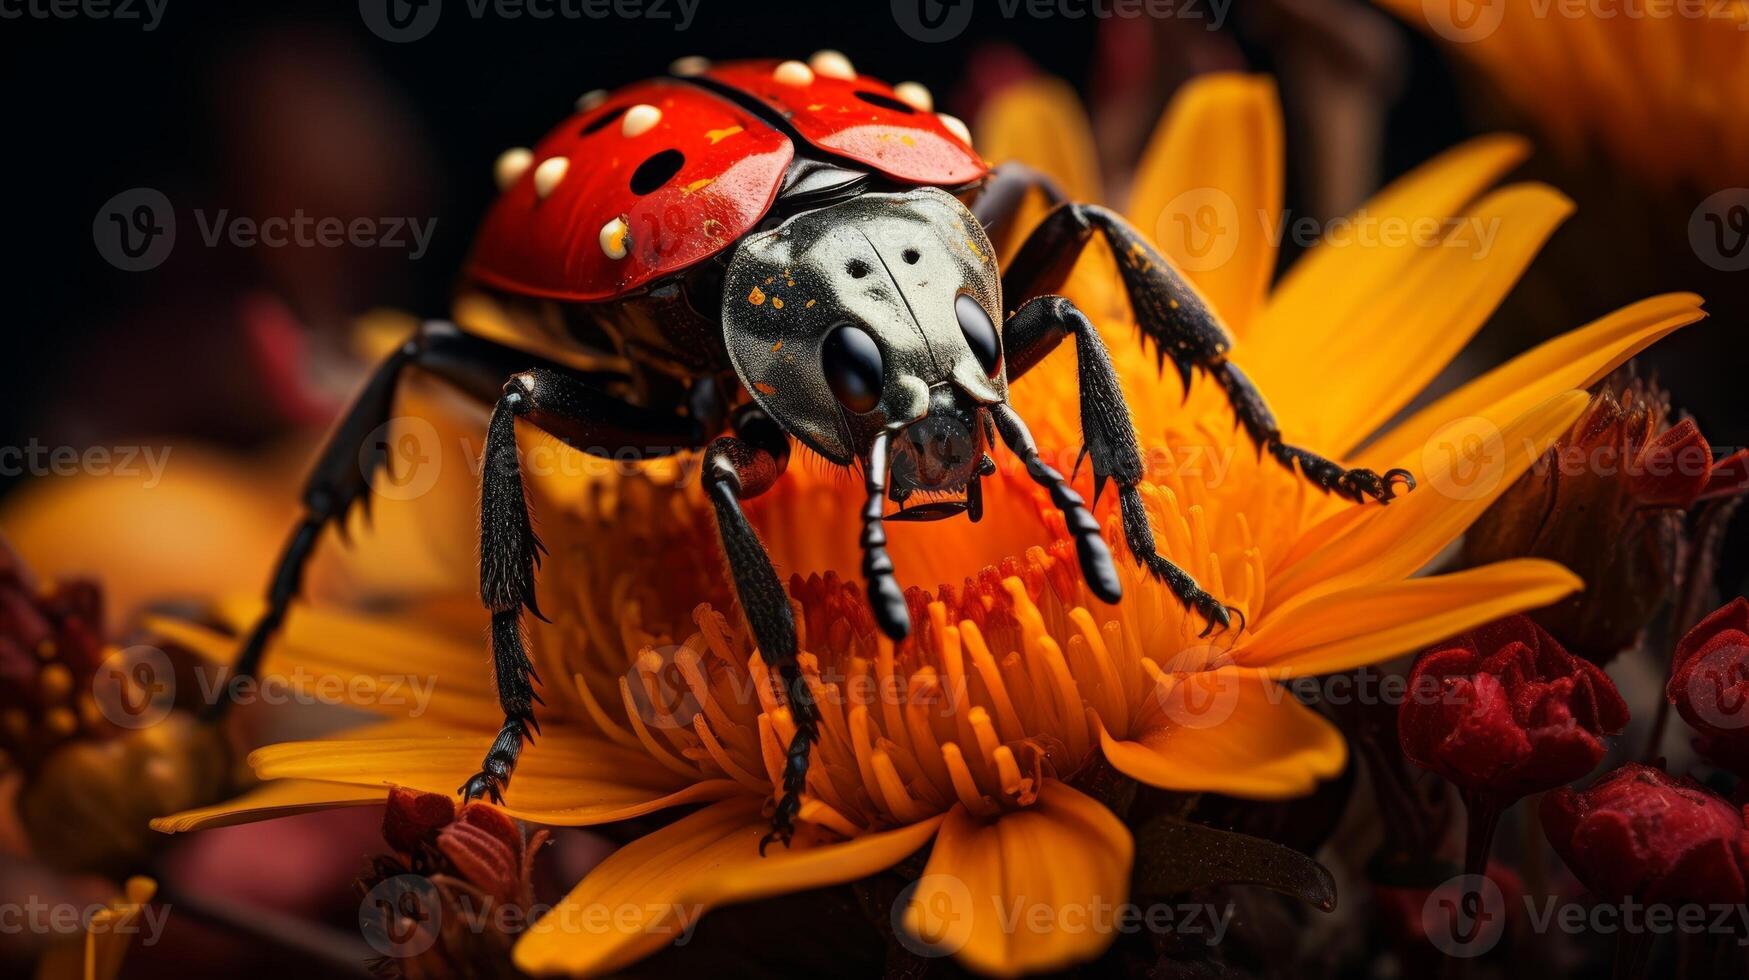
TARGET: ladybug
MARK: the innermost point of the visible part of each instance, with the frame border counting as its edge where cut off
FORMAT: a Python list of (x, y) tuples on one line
[(785, 250)]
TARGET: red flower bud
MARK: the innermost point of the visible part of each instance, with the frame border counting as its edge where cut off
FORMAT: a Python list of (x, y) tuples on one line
[(1639, 832), (1608, 501), (1709, 682), (1515, 713)]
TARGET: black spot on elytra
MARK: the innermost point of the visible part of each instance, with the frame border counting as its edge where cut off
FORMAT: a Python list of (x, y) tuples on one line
[(659, 169), (885, 102), (604, 120)]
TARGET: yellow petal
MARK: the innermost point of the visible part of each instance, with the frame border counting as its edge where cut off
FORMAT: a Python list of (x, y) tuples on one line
[(1233, 731), (1345, 630), (97, 952), (208, 523), (1040, 122), (1022, 893), (1462, 469), (1412, 327), (566, 778), (1316, 297), (1577, 359), (1208, 190), (280, 798), (399, 668), (652, 891)]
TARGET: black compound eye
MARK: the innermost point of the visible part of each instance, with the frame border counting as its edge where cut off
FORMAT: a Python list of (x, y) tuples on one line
[(852, 362), (980, 333)]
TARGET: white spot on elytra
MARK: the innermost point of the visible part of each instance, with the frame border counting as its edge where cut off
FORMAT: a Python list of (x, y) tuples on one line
[(793, 73), (832, 64), (915, 95), (690, 65), (613, 239), (590, 99), (956, 127), (639, 119), (510, 166), (548, 174)]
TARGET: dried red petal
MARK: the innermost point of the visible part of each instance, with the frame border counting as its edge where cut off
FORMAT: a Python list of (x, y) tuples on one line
[(1515, 712), (1673, 468), (1709, 681), (1641, 832), (412, 818), (1729, 478), (483, 857)]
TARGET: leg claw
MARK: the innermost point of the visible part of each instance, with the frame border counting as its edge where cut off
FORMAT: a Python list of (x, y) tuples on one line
[(481, 784), (1360, 484)]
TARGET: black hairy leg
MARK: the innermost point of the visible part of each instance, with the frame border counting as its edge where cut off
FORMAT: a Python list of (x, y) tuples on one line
[(1109, 437), (586, 419), (1181, 328), (737, 468), (357, 451)]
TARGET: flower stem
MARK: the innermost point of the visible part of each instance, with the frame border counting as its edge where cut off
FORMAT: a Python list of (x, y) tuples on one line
[(1633, 953), (1484, 817)]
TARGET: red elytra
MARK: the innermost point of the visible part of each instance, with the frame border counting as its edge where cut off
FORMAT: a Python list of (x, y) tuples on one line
[(879, 131), (733, 166)]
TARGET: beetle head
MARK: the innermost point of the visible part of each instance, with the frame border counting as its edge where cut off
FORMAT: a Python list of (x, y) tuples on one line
[(878, 314)]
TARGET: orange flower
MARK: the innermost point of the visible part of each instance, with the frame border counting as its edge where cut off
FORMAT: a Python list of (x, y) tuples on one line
[(1661, 87), (976, 734)]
